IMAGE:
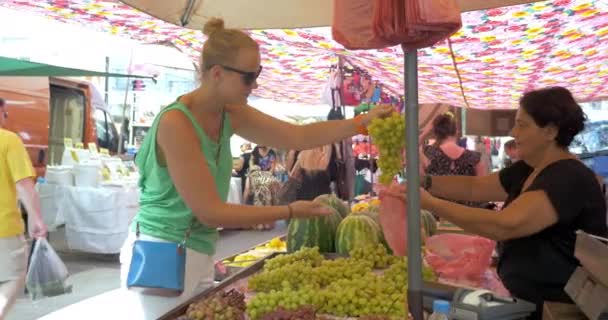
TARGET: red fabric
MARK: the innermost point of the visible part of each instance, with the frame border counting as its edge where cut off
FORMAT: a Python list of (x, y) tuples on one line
[(365, 24), (352, 25)]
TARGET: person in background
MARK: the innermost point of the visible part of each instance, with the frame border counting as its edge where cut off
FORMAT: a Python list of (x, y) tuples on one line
[(511, 155), (445, 157), (184, 186), (549, 194), (264, 157), (16, 183), (242, 164)]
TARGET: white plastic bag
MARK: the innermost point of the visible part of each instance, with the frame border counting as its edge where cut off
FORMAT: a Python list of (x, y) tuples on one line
[(46, 274)]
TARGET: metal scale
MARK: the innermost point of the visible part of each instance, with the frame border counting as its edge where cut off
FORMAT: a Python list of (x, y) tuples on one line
[(469, 304)]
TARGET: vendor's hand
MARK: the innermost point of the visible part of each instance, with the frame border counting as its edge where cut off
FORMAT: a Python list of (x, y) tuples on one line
[(309, 209), (381, 111), (38, 229)]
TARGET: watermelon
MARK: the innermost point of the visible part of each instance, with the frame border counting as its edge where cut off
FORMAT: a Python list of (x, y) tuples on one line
[(313, 232), (334, 202), (373, 214), (355, 231), (429, 224)]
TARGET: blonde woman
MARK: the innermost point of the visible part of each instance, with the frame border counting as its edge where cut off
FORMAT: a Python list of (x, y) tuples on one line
[(185, 161)]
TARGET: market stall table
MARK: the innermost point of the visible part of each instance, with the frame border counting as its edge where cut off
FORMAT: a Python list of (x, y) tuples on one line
[(96, 219), (235, 195)]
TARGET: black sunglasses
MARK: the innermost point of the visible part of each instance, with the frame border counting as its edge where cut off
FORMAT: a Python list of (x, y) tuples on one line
[(249, 77)]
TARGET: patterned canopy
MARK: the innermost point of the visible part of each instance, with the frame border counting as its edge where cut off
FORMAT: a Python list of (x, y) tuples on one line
[(499, 53)]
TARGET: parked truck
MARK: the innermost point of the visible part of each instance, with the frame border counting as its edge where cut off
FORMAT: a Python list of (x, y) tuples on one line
[(44, 111)]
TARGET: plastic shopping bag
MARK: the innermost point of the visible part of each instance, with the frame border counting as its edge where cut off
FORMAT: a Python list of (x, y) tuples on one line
[(458, 256), (393, 219), (47, 273)]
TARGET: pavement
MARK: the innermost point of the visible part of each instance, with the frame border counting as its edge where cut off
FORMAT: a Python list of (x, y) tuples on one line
[(94, 274)]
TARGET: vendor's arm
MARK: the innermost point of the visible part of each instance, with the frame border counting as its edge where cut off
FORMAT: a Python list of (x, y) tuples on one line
[(528, 214), (194, 182), (557, 195), (257, 126), (468, 188)]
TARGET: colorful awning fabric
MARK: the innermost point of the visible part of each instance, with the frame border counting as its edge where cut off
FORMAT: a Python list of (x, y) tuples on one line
[(500, 52)]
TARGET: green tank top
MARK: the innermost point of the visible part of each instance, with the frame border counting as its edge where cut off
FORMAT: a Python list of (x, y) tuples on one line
[(162, 211)]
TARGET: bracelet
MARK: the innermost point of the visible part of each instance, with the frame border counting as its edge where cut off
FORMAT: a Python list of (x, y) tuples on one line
[(290, 211), (360, 128)]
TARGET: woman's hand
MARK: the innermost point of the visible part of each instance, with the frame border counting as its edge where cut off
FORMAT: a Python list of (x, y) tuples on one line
[(309, 209), (381, 111)]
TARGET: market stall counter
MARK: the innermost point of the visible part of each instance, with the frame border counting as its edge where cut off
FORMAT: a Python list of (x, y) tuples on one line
[(96, 219)]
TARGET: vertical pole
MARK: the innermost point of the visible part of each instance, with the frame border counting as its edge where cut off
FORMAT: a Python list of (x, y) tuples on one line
[(107, 81), (414, 293), (132, 122)]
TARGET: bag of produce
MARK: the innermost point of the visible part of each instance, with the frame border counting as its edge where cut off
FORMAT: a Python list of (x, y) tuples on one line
[(47, 274), (457, 256), (393, 219)]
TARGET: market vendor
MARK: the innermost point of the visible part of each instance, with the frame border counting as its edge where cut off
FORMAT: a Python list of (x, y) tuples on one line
[(548, 196), (185, 162)]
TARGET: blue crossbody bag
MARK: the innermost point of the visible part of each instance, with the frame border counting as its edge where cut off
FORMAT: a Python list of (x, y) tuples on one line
[(158, 268)]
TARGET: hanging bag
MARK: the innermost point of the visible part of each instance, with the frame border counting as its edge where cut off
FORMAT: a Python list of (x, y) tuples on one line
[(158, 268), (376, 24), (47, 274)]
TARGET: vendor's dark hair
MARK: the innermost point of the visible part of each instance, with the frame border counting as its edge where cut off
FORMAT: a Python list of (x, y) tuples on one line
[(444, 126), (555, 106)]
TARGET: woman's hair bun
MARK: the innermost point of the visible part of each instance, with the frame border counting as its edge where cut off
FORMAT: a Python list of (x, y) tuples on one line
[(213, 25)]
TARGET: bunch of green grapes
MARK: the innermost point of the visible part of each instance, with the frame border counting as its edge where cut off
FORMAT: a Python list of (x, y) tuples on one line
[(376, 254), (368, 295), (397, 272), (310, 256), (292, 275), (389, 135), (341, 268), (285, 298)]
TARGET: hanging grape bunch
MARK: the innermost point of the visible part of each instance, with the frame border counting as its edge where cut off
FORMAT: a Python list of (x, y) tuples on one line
[(389, 135)]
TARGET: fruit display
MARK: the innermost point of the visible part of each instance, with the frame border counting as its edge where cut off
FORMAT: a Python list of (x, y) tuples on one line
[(313, 232), (355, 231), (333, 201), (369, 282), (252, 256), (389, 135), (221, 306)]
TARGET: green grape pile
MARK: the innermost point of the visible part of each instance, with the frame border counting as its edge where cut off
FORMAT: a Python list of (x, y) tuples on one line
[(266, 302), (310, 256), (376, 254), (370, 284), (341, 268), (292, 275), (223, 305), (389, 135), (364, 296)]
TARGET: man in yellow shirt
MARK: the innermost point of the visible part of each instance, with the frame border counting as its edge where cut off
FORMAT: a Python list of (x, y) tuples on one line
[(16, 182)]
